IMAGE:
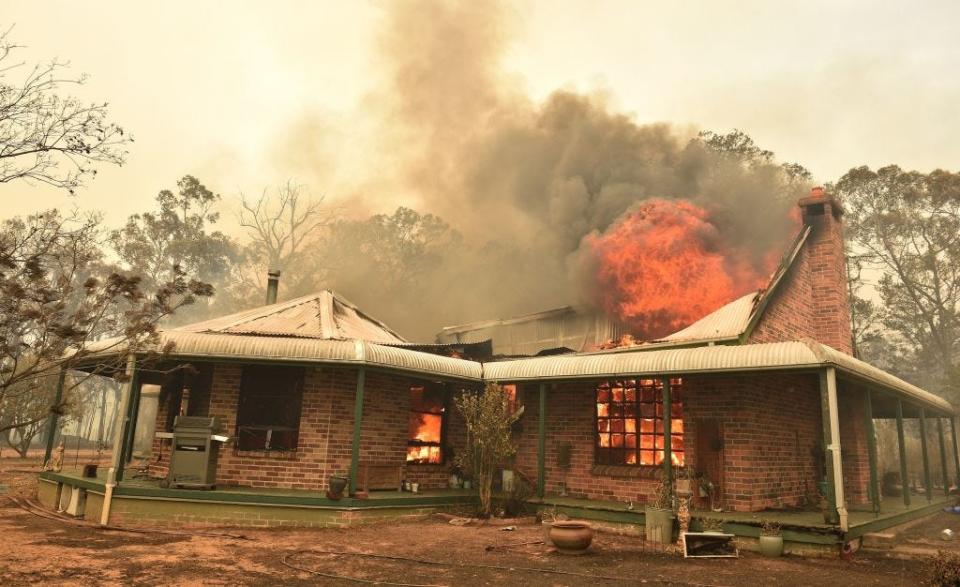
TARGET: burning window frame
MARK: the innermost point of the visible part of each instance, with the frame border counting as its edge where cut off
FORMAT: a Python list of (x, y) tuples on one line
[(436, 454), (638, 413)]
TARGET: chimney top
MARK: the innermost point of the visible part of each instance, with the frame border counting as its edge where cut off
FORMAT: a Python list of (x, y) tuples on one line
[(273, 284), (816, 203)]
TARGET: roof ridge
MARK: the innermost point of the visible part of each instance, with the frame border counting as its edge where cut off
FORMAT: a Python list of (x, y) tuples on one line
[(253, 314)]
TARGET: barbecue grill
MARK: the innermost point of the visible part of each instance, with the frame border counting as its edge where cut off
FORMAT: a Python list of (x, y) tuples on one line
[(193, 458)]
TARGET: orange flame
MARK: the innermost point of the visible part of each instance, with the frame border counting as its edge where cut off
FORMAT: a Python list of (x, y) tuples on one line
[(664, 265)]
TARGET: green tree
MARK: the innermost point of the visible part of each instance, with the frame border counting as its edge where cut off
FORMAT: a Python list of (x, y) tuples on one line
[(392, 262), (57, 298), (488, 416), (905, 226), (178, 236)]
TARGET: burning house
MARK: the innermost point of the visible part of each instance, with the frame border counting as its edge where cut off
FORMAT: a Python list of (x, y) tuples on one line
[(566, 329), (761, 401)]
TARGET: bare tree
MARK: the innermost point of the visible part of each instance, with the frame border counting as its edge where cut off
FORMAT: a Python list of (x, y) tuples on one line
[(281, 225), (46, 137)]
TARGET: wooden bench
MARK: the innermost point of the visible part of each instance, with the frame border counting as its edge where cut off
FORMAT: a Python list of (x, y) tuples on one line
[(373, 477)]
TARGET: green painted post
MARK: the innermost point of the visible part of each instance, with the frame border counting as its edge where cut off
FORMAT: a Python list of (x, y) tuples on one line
[(871, 449), (542, 442), (126, 434), (667, 437), (926, 457), (134, 415), (943, 458), (956, 452), (357, 422), (54, 417), (829, 442), (904, 482)]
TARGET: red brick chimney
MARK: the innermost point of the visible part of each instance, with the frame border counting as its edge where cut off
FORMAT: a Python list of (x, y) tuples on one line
[(830, 302)]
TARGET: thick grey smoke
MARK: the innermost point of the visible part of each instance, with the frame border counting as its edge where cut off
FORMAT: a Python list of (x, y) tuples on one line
[(526, 182)]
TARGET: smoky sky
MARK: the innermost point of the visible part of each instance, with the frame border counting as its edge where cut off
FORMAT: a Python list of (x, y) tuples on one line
[(526, 181)]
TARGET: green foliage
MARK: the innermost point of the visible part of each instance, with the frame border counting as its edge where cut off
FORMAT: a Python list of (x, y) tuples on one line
[(770, 528), (57, 295), (177, 237), (177, 233), (905, 226), (488, 419), (663, 494)]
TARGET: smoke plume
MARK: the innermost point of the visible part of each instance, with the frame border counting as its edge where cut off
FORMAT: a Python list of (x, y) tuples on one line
[(559, 202)]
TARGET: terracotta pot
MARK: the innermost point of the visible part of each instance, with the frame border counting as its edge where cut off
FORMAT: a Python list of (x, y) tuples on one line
[(546, 532), (571, 537)]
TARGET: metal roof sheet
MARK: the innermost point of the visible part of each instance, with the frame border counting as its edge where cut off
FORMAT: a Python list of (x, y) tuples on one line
[(806, 354), (728, 322), (302, 350), (323, 315)]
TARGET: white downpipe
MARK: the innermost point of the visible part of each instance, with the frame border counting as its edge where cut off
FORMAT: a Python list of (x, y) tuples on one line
[(834, 449), (116, 459)]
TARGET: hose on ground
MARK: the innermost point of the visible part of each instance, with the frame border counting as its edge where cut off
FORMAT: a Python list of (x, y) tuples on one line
[(511, 568)]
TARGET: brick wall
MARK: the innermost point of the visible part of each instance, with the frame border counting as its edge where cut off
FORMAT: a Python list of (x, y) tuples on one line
[(326, 432), (772, 439), (812, 301)]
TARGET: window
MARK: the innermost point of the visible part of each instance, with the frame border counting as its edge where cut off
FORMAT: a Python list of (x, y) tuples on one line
[(427, 409), (268, 417), (630, 422), (510, 390)]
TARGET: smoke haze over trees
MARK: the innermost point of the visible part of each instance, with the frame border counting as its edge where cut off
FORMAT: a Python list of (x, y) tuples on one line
[(905, 226)]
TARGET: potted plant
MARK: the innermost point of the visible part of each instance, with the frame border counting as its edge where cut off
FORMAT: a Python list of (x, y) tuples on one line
[(711, 525), (658, 515), (337, 484), (771, 540), (455, 476), (564, 460)]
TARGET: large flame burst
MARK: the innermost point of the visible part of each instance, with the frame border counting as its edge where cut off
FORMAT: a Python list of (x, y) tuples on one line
[(664, 264)]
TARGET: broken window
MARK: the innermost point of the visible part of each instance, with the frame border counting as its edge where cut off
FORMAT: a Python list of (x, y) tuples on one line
[(630, 422), (427, 409), (268, 417)]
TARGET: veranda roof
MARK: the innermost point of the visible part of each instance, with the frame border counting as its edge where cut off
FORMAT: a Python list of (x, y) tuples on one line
[(278, 349), (777, 356)]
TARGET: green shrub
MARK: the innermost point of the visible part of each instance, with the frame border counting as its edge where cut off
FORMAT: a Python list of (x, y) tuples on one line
[(945, 569)]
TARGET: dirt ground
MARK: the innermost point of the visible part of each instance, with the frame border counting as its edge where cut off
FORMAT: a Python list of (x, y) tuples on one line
[(41, 550)]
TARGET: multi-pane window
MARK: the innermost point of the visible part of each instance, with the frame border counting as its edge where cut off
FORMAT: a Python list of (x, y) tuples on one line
[(425, 440), (268, 417), (630, 420)]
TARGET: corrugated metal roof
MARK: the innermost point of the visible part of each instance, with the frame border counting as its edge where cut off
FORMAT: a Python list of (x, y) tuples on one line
[(324, 315), (302, 350), (711, 359), (807, 354), (727, 322)]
